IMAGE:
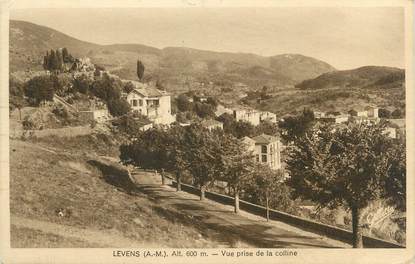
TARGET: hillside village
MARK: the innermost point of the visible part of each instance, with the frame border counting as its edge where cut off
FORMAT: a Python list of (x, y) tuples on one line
[(210, 137)]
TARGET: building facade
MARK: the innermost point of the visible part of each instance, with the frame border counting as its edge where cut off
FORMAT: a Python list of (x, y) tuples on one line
[(247, 115), (151, 102), (372, 112), (268, 116), (267, 149)]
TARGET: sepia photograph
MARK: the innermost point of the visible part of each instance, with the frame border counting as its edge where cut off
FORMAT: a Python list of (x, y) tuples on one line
[(207, 127)]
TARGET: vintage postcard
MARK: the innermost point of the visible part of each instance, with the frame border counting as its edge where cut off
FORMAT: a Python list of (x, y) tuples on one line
[(207, 131)]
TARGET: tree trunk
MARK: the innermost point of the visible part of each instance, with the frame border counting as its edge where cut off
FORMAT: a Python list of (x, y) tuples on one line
[(179, 182), (202, 192), (163, 179), (20, 114), (267, 200), (236, 196), (357, 229)]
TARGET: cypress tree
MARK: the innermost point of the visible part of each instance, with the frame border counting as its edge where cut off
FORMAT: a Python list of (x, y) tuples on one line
[(65, 55), (46, 61), (140, 69), (53, 62), (59, 60)]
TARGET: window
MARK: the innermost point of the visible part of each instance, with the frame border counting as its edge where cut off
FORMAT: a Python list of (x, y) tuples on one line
[(140, 102), (264, 149), (134, 102), (264, 158)]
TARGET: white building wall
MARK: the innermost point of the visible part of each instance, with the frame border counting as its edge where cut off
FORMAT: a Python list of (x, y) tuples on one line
[(252, 117), (273, 158)]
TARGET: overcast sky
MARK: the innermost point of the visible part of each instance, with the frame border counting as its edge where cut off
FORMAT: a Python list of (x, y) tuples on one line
[(344, 37)]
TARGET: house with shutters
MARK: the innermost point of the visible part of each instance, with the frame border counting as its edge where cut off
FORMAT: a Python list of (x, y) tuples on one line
[(267, 149), (152, 103)]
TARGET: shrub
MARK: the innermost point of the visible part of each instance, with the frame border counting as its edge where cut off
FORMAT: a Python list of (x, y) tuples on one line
[(28, 124), (397, 113), (40, 88), (106, 88), (118, 107), (60, 112), (16, 87), (82, 84), (384, 113)]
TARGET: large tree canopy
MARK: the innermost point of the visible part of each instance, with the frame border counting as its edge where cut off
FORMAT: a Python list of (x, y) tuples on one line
[(347, 166)]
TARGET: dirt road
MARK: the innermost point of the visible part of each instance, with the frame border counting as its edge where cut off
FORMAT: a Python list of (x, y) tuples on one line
[(222, 223)]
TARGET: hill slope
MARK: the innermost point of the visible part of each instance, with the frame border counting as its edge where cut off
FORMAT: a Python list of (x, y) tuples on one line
[(341, 91), (175, 65), (364, 77)]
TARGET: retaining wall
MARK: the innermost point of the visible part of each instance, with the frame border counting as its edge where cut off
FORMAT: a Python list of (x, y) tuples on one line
[(305, 224)]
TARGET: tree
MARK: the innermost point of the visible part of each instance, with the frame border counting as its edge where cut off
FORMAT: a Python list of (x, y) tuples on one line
[(65, 55), (147, 151), (203, 155), (204, 110), (342, 166), (16, 95), (395, 181), (228, 123), (82, 84), (46, 61), (140, 70), (267, 127), (16, 87), (384, 113), (397, 113), (183, 103), (212, 101), (243, 129), (106, 88), (53, 61), (238, 165), (176, 153), (269, 184), (118, 107), (294, 127), (40, 88), (128, 87), (59, 60)]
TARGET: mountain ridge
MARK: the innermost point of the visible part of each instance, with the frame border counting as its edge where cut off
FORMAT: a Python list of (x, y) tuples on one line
[(29, 41)]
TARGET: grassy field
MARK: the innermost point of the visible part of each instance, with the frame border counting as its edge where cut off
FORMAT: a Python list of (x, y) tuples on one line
[(53, 175)]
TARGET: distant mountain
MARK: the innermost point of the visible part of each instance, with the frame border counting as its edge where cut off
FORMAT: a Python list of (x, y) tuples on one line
[(175, 65), (299, 67), (364, 77)]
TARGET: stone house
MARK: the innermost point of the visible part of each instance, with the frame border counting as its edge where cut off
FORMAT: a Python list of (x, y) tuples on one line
[(372, 111), (358, 112), (151, 102), (268, 116), (267, 149), (248, 115)]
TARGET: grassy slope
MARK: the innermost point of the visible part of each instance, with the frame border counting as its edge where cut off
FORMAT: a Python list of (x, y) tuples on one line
[(55, 173)]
